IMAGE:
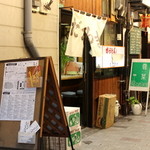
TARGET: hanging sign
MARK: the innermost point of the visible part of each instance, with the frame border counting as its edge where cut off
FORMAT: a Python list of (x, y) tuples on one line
[(135, 41), (139, 75), (145, 20)]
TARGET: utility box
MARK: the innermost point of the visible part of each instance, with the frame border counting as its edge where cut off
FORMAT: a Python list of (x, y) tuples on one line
[(105, 111)]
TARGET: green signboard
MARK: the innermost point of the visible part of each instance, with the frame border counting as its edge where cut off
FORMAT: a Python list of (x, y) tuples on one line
[(140, 75)]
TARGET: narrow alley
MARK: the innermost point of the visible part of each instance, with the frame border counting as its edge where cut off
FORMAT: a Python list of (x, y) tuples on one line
[(128, 133)]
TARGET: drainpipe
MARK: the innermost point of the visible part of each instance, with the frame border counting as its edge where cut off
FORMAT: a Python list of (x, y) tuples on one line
[(27, 29)]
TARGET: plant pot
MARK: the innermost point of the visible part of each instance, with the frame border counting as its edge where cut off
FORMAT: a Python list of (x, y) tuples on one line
[(136, 109)]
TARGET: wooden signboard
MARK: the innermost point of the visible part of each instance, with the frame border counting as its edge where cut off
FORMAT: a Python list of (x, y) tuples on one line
[(47, 108)]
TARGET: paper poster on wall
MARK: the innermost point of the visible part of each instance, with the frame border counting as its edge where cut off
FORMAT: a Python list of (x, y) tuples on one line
[(17, 101), (112, 56), (34, 78)]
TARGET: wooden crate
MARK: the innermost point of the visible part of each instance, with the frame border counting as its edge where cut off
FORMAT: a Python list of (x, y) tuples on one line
[(105, 110)]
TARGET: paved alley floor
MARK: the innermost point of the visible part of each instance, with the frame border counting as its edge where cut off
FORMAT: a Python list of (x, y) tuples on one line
[(128, 133)]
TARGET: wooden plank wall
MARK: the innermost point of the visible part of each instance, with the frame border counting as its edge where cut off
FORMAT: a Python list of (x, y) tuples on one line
[(90, 6), (104, 86)]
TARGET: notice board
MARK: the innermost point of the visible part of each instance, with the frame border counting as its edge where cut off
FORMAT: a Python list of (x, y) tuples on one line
[(139, 75), (48, 108)]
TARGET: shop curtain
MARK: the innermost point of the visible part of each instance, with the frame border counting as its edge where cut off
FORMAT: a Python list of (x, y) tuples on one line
[(93, 28)]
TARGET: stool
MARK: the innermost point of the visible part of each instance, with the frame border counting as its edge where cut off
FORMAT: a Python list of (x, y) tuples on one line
[(68, 93), (80, 92), (80, 99), (69, 98)]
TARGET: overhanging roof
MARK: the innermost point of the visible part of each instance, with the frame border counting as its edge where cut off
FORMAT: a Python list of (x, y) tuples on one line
[(140, 5)]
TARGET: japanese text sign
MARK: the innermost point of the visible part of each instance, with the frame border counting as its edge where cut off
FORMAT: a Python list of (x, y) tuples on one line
[(139, 75), (112, 56)]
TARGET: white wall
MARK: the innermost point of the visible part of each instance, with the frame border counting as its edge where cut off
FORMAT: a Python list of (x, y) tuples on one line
[(45, 31)]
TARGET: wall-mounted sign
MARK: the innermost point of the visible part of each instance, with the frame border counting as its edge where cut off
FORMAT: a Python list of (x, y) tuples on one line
[(135, 41), (112, 56)]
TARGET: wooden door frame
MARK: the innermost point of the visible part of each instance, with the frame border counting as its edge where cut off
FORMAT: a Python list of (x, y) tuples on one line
[(88, 83)]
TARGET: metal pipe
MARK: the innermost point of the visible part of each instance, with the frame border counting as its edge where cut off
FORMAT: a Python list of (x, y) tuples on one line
[(27, 29)]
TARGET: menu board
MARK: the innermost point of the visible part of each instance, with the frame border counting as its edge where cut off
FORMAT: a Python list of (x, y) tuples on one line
[(139, 75), (17, 101), (135, 41)]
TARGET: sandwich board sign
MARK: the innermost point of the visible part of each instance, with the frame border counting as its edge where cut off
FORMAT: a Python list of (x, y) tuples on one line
[(140, 76)]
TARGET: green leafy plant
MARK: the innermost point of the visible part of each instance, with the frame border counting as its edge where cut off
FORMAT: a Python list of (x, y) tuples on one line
[(64, 58), (132, 100)]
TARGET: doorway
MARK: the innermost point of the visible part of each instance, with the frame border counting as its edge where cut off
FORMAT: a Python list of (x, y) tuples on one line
[(74, 84)]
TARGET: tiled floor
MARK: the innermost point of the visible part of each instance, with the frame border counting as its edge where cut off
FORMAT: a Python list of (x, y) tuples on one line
[(128, 133)]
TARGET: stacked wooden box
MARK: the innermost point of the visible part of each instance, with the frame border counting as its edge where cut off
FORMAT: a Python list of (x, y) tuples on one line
[(106, 110)]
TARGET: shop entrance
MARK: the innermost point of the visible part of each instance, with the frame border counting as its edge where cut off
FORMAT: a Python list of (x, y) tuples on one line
[(73, 74)]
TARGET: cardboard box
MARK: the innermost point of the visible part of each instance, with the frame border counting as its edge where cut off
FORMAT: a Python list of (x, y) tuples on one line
[(73, 117), (76, 138), (105, 110)]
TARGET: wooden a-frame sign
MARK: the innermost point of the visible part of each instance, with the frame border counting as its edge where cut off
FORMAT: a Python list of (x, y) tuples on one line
[(53, 122), (49, 111)]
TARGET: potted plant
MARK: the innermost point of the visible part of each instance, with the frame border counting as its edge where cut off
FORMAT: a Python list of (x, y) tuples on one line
[(64, 58), (136, 106)]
